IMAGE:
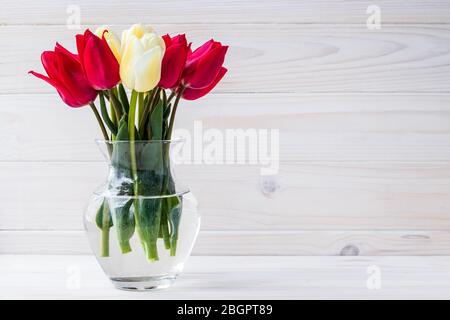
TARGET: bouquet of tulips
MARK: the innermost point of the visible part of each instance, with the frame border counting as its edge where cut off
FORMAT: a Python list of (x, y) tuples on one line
[(158, 72)]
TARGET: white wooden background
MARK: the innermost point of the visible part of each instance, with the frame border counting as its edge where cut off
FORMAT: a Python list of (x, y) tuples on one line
[(364, 119)]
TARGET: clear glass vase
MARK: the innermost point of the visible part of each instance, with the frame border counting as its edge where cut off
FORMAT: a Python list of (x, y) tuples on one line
[(141, 223)]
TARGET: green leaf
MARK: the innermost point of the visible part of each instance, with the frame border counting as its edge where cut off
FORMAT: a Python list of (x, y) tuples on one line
[(164, 226), (112, 127), (121, 153), (123, 98), (125, 225), (151, 177), (156, 121), (174, 208), (122, 134), (151, 158), (149, 220), (104, 208), (121, 160)]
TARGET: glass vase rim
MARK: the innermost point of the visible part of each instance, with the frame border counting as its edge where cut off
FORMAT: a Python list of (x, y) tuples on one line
[(174, 140), (106, 194)]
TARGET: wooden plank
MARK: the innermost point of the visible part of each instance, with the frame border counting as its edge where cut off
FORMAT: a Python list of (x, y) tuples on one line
[(297, 58), (229, 11), (312, 127), (303, 196), (80, 277), (254, 243)]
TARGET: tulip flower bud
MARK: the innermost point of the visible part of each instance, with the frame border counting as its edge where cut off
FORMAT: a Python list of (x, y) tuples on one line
[(173, 61), (203, 69), (100, 64), (66, 74), (112, 40), (142, 53), (194, 94)]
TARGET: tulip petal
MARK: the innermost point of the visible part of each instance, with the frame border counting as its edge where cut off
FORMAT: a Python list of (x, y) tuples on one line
[(72, 77), (114, 44), (200, 51), (167, 40), (81, 44), (180, 39), (203, 73), (82, 40), (100, 64), (45, 78), (48, 61), (70, 70), (60, 48), (140, 66), (112, 40), (65, 95), (148, 70), (136, 30), (66, 75), (193, 94), (133, 50), (172, 66)]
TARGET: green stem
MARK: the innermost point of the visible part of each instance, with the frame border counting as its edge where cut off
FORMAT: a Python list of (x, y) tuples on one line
[(115, 103), (140, 105), (102, 126), (165, 228), (105, 115), (152, 252), (174, 111), (173, 248), (99, 120), (114, 119), (164, 97), (148, 109), (131, 133), (123, 98), (105, 242), (172, 94), (105, 232), (125, 247)]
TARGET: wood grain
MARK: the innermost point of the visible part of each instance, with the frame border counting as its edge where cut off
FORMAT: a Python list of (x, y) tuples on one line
[(298, 58), (303, 196), (312, 127), (254, 243), (69, 277), (364, 120), (229, 11)]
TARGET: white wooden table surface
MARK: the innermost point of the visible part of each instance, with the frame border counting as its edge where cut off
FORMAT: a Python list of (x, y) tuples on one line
[(243, 277)]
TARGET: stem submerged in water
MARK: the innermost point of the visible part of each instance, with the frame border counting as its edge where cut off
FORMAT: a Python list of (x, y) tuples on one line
[(125, 247), (165, 227), (105, 242), (105, 229), (131, 133), (147, 167), (173, 248)]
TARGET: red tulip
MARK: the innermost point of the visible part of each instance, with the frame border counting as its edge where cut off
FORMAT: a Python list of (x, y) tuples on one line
[(193, 94), (173, 61), (100, 64), (66, 74), (204, 66)]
